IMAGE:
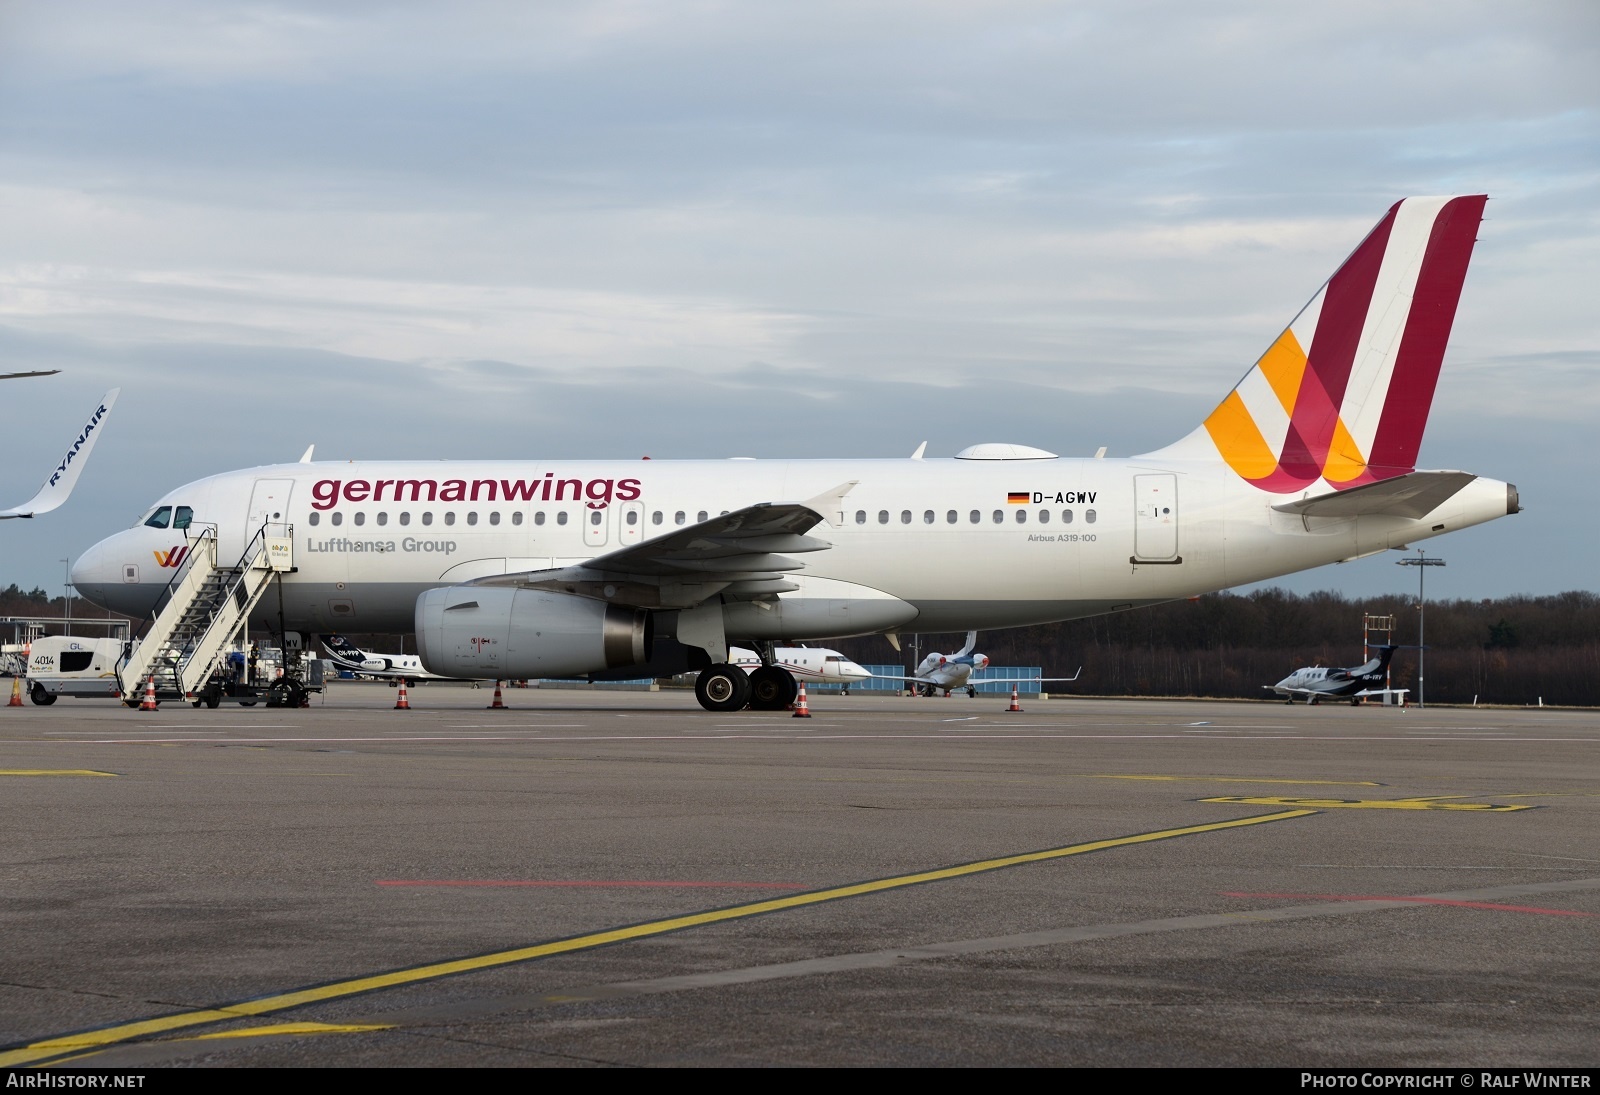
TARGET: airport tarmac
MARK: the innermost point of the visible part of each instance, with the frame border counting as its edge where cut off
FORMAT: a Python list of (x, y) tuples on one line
[(618, 878)]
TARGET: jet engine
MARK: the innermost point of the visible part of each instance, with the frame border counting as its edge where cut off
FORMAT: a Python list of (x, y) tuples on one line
[(508, 634)]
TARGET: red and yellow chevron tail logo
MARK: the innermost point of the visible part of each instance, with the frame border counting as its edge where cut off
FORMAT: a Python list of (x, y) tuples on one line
[(1343, 394), (173, 558)]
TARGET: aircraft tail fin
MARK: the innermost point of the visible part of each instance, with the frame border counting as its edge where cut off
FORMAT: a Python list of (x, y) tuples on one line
[(341, 647), (972, 642), (1343, 394)]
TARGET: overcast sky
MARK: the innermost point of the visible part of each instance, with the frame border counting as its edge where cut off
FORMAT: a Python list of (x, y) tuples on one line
[(712, 229)]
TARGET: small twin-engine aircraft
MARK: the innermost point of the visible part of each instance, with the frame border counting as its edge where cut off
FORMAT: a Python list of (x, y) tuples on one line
[(347, 655), (812, 664), (1313, 683), (954, 671), (618, 570)]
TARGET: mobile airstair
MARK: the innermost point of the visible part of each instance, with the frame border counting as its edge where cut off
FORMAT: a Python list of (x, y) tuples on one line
[(206, 605)]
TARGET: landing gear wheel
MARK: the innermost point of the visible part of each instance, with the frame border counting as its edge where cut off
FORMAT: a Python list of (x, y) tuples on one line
[(39, 696), (972, 693), (722, 688), (772, 688)]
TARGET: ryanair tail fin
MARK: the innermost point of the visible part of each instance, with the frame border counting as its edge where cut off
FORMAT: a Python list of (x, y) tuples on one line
[(1343, 394)]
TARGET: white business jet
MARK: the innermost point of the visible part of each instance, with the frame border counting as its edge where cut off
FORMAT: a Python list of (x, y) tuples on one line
[(539, 568), (785, 666), (347, 655), (1356, 683), (952, 672)]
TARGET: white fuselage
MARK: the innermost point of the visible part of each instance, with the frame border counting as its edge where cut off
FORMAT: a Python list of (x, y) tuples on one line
[(924, 545), (812, 664)]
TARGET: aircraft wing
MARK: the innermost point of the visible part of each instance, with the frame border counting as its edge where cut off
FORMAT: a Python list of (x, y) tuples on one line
[(1381, 692), (975, 681), (1414, 495), (743, 552), (64, 477)]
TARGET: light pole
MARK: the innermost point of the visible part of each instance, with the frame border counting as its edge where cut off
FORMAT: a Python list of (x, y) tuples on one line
[(1421, 562), (66, 597)]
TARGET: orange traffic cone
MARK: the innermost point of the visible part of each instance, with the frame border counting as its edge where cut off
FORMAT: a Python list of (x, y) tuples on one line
[(497, 705), (16, 692), (1015, 706), (801, 711), (401, 703), (149, 702)]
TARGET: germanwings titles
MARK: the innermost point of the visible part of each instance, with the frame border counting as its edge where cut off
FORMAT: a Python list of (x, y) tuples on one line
[(518, 569)]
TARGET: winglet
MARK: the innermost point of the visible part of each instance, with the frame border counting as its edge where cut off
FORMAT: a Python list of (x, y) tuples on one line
[(305, 458), (59, 485), (830, 503)]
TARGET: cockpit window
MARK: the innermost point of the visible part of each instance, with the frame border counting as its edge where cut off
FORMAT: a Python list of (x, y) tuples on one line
[(182, 517), (161, 518)]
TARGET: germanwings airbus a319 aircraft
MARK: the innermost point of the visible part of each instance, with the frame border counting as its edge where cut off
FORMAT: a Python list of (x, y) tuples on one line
[(514, 569)]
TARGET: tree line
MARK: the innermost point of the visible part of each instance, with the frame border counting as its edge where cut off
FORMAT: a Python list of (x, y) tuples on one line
[(1510, 650)]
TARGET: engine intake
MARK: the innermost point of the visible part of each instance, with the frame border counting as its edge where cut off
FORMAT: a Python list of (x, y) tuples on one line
[(502, 633)]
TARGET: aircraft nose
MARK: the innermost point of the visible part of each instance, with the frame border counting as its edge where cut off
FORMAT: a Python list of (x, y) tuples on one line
[(102, 573), (852, 671), (90, 571)]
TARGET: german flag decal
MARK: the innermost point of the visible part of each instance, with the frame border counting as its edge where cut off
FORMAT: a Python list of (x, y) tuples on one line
[(1018, 498)]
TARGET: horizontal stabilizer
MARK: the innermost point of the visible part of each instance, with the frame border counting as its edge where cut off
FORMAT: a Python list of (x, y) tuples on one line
[(1413, 495)]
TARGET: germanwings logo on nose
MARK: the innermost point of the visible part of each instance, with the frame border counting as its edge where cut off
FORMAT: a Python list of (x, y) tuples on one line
[(173, 558), (1344, 393)]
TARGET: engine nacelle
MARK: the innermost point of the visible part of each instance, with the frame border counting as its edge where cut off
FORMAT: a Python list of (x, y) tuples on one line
[(510, 634)]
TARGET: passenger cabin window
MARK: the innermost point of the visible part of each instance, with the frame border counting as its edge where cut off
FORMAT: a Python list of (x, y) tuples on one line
[(494, 517), (405, 518), (1088, 516), (161, 518), (883, 517), (1066, 517), (999, 516), (976, 516), (315, 518), (427, 517), (631, 517), (1022, 517), (516, 518), (337, 518), (182, 516), (472, 517), (861, 516), (700, 519), (656, 517), (360, 518), (561, 518), (950, 518), (1044, 517), (596, 516), (538, 518), (679, 518), (383, 518), (449, 516), (905, 517)]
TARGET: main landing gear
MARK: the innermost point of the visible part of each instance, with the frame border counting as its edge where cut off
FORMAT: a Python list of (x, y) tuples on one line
[(728, 688), (722, 688), (772, 688)]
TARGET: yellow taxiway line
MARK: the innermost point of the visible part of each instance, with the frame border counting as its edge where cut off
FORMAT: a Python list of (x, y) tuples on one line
[(95, 1040)]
